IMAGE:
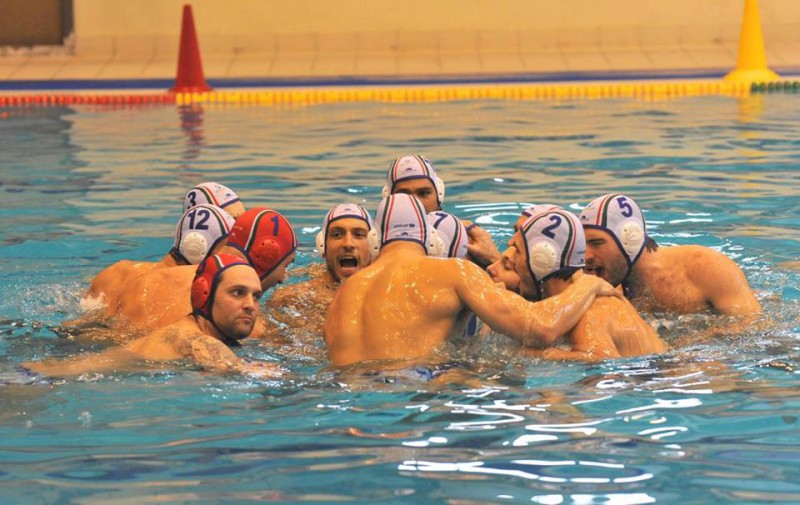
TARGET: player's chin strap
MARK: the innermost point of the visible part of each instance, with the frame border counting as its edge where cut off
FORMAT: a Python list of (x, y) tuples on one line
[(230, 342), (224, 338)]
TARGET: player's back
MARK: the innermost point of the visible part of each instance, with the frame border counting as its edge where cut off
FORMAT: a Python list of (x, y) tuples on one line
[(399, 307), (157, 298)]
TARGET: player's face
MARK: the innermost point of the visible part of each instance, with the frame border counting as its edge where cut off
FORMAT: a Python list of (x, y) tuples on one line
[(520, 221), (504, 270), (423, 189), (236, 301), (347, 249), (527, 285), (277, 276), (603, 257)]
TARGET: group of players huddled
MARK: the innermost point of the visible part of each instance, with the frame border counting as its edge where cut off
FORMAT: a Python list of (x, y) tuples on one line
[(394, 288)]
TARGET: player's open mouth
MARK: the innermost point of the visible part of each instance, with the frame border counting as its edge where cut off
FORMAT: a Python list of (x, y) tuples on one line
[(348, 262)]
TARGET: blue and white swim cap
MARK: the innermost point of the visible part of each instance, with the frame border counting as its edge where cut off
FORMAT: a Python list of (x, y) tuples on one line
[(402, 217), (199, 231), (349, 211), (620, 217), (554, 240), (407, 168), (210, 193), (452, 233), (539, 207)]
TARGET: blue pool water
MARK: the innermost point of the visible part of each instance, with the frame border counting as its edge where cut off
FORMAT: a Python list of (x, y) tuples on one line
[(82, 187)]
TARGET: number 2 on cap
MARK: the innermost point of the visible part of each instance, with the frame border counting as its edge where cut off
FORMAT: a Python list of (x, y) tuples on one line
[(548, 232)]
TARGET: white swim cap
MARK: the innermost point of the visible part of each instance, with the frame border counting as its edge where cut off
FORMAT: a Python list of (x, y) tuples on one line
[(352, 211), (553, 240), (619, 216), (402, 217), (211, 193), (451, 232), (407, 168), (199, 231), (539, 207)]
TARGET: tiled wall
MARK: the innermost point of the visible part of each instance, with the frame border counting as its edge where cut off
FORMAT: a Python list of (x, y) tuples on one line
[(276, 38)]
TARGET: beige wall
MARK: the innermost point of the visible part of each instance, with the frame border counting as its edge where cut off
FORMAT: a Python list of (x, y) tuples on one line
[(259, 25)]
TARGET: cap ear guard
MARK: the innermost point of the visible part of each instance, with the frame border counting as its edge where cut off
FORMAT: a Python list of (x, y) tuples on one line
[(320, 242), (542, 260), (201, 290), (374, 242), (439, 185), (436, 247), (631, 238), (194, 247), (265, 255)]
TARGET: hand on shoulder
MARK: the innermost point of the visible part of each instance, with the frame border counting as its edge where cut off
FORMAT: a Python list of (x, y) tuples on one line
[(598, 285)]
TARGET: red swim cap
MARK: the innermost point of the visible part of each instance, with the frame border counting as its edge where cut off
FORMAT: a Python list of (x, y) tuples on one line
[(206, 279), (265, 237)]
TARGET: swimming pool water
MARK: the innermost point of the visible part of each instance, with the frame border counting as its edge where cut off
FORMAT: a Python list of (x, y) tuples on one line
[(82, 187)]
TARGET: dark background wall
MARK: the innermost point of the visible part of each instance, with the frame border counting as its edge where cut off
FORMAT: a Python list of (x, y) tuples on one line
[(34, 22)]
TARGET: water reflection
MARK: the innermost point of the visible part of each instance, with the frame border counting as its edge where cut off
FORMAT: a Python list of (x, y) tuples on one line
[(192, 118)]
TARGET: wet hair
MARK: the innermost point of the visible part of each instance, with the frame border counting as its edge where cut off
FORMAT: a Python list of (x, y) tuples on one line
[(179, 259), (563, 273), (650, 243)]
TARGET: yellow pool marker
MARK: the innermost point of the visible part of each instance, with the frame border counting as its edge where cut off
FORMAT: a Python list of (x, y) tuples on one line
[(649, 91), (751, 65)]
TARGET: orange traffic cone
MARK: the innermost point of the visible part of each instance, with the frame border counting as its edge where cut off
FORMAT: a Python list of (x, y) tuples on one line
[(190, 68), (752, 63)]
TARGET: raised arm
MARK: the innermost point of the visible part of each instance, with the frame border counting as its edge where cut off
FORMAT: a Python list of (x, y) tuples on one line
[(537, 324), (480, 245)]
